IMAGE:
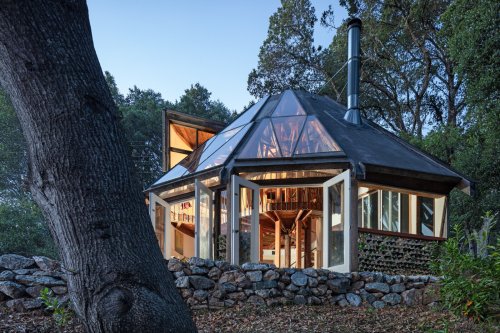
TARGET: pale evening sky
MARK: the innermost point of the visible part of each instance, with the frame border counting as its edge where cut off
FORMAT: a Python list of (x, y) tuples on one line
[(169, 45)]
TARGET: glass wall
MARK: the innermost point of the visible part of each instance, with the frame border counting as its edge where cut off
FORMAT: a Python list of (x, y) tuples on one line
[(205, 231), (245, 221), (403, 211), (223, 237), (336, 225)]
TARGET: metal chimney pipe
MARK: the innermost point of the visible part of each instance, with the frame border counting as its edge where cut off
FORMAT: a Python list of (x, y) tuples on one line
[(353, 114)]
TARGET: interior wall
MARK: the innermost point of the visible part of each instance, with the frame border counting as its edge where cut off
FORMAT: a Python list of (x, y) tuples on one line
[(413, 214), (439, 213), (188, 245)]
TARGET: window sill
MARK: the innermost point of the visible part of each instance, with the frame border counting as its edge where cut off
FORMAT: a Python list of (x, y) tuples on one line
[(400, 234)]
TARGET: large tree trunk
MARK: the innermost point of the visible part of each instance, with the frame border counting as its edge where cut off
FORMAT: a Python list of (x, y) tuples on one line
[(80, 173)]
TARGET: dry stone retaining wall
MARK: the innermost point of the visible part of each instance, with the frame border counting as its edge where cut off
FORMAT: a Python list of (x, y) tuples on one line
[(217, 284), (22, 279)]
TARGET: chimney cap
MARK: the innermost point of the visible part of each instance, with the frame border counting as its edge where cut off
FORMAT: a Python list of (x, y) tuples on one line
[(354, 21)]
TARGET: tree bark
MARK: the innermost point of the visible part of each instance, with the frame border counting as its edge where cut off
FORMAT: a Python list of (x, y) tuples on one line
[(80, 172)]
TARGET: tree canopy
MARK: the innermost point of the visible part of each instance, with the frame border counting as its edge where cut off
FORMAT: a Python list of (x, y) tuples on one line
[(288, 57)]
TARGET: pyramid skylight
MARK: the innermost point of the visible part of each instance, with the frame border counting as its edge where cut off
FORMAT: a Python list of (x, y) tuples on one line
[(274, 127), (288, 132)]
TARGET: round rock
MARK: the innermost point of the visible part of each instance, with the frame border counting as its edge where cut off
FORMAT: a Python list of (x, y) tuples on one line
[(299, 279), (14, 261)]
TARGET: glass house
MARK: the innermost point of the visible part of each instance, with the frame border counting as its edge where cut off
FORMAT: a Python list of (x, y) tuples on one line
[(291, 182)]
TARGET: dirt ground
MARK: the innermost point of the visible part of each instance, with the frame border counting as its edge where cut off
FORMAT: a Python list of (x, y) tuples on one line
[(292, 318)]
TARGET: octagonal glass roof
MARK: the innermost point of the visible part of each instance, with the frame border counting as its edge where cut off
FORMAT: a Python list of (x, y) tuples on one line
[(301, 125)]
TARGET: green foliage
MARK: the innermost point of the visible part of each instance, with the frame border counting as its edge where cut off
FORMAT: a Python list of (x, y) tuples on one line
[(24, 231), (141, 112), (13, 152), (113, 89), (142, 121), (196, 101), (470, 284), (288, 58), (474, 39), (471, 29), (474, 151), (60, 311), (22, 227)]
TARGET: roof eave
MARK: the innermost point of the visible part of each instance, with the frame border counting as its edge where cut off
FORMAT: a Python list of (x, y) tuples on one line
[(177, 182)]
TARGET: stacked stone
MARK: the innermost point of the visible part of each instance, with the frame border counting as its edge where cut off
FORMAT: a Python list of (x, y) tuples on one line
[(394, 255), (22, 279), (217, 284)]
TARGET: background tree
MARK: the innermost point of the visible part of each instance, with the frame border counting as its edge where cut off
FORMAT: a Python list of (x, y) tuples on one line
[(141, 117), (288, 57), (80, 173), (141, 113), (22, 227), (196, 101), (13, 153), (473, 44)]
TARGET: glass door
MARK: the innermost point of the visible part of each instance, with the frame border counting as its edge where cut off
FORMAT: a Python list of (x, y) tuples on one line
[(244, 221), (203, 230), (159, 213), (336, 227)]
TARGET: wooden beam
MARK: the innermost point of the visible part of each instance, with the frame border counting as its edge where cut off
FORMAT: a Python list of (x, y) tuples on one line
[(287, 250), (318, 259), (307, 243), (261, 244), (298, 243), (305, 219), (277, 243), (204, 124), (272, 215)]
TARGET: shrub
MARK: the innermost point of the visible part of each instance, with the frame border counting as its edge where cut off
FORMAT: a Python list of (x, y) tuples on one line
[(471, 281), (60, 311)]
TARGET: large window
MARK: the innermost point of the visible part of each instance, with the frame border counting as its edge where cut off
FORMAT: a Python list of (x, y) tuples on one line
[(369, 211), (426, 216), (394, 210), (183, 140), (390, 211)]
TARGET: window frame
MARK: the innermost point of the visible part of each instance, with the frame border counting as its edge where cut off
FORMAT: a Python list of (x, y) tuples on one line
[(414, 222)]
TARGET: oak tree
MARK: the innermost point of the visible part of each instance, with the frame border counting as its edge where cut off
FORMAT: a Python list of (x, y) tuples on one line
[(80, 173)]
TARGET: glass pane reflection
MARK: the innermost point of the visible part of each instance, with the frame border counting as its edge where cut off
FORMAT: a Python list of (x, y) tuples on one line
[(223, 153), (176, 172), (204, 231), (315, 139), (287, 130), (336, 227), (245, 234), (289, 106), (262, 143), (247, 116)]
